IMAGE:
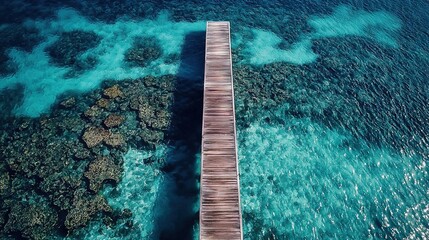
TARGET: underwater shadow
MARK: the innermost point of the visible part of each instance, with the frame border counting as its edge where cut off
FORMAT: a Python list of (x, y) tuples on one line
[(179, 196)]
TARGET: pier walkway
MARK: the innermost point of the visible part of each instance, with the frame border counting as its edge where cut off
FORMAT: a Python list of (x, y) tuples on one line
[(220, 214)]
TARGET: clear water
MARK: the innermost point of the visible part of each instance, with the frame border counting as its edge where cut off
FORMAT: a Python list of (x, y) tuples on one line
[(332, 101)]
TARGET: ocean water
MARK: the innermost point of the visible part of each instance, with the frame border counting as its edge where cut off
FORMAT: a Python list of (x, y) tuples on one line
[(101, 103)]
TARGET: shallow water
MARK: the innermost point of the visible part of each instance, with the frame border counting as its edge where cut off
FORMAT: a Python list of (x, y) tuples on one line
[(332, 104)]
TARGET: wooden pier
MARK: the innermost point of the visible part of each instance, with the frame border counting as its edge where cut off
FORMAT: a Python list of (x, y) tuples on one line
[(220, 213)]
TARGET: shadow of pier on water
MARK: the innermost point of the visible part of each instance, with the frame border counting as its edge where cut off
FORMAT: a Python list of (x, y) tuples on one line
[(178, 200)]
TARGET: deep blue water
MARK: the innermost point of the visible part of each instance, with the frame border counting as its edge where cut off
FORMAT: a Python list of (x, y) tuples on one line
[(101, 106)]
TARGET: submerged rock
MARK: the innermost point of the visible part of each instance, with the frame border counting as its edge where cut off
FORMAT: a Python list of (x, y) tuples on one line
[(15, 36), (113, 120), (68, 103), (126, 213), (82, 154), (10, 98), (113, 92), (115, 140), (102, 103), (4, 182), (31, 221), (146, 113), (92, 112), (66, 51), (94, 136), (50, 157), (60, 188), (161, 121), (84, 207), (100, 170), (143, 52), (151, 137)]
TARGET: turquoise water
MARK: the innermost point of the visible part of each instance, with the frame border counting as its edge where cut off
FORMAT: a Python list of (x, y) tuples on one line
[(101, 118)]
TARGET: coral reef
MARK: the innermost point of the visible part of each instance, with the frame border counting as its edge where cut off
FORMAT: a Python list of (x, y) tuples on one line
[(60, 187), (83, 209), (340, 81), (380, 97), (68, 103), (62, 159), (68, 49), (94, 136), (103, 103), (113, 120), (115, 140), (9, 99), (356, 87), (100, 170), (143, 52), (31, 220), (92, 112), (112, 92), (4, 182), (259, 90), (15, 36)]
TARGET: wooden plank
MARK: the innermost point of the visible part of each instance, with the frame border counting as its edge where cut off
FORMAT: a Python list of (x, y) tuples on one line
[(220, 212)]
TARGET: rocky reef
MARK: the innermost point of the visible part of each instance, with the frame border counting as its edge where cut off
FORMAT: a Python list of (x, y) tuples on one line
[(83, 209), (32, 221), (143, 52), (56, 165), (68, 49), (101, 170), (15, 36), (9, 98), (113, 120), (259, 90)]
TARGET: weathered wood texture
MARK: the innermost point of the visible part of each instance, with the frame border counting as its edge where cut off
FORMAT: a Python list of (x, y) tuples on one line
[(220, 214)]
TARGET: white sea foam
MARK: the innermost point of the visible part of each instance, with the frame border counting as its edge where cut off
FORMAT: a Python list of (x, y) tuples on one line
[(379, 26), (44, 82)]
